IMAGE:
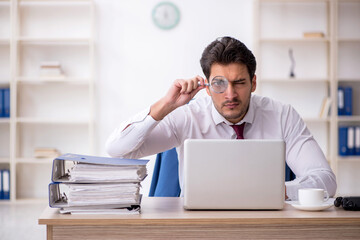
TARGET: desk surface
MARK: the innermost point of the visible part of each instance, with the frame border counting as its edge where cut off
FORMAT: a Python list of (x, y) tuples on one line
[(169, 211)]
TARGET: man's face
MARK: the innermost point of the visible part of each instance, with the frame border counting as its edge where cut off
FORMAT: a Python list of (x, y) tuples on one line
[(234, 102)]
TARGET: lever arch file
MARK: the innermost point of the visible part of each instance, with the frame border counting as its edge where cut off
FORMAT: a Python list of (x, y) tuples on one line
[(59, 197), (61, 168), (1, 185), (4, 184)]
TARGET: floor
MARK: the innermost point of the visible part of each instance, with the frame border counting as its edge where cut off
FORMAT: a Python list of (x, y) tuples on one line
[(20, 220)]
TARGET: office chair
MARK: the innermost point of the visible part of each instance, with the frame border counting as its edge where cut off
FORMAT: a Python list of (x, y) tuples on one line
[(165, 180)]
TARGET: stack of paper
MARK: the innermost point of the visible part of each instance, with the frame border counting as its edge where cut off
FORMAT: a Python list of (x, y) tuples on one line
[(87, 184), (106, 173), (95, 194)]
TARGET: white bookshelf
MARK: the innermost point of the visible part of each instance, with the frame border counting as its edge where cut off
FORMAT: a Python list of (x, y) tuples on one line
[(4, 41), (294, 40), (45, 111), (347, 74), (5, 79), (294, 80), (348, 118), (35, 161), (322, 64), (317, 120)]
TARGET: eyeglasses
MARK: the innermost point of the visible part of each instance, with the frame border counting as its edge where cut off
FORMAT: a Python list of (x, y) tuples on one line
[(218, 84)]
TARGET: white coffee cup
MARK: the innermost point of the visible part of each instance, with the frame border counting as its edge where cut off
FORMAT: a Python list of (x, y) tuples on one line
[(312, 196)]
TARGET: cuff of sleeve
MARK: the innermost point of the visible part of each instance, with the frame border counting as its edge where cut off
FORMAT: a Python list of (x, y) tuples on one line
[(292, 188), (141, 116), (142, 119), (149, 122)]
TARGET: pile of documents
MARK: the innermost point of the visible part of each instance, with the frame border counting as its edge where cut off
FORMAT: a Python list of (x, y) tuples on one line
[(87, 184)]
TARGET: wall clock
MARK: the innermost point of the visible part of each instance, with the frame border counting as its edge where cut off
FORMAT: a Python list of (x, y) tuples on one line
[(166, 15)]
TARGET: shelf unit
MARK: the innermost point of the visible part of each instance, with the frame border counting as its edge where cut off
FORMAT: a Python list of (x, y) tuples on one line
[(347, 42), (5, 78), (321, 65), (45, 111)]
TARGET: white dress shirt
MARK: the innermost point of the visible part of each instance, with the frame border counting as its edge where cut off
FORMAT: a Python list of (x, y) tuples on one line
[(265, 119)]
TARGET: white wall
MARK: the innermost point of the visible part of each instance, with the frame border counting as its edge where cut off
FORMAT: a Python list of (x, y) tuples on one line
[(137, 62)]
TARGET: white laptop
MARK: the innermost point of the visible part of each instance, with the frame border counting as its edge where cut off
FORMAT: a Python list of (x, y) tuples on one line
[(234, 174)]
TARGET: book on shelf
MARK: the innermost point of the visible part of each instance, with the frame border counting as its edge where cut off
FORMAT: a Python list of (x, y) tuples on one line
[(51, 70), (4, 184), (42, 152), (89, 184), (313, 34), (325, 108)]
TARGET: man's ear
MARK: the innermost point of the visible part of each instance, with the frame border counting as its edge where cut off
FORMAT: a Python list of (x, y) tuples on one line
[(253, 84), (207, 87)]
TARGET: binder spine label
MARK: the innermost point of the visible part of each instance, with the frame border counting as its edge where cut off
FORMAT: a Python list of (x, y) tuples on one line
[(350, 141), (340, 101), (345, 101), (357, 141), (1, 186), (6, 184)]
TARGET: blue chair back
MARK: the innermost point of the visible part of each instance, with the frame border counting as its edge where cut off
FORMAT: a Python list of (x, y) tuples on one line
[(165, 180)]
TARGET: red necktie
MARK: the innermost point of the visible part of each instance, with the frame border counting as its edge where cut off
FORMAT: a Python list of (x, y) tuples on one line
[(239, 130)]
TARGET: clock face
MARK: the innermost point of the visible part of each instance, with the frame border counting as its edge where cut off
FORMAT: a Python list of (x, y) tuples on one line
[(166, 15)]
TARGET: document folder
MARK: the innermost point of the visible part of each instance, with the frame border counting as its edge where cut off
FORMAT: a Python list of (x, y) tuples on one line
[(4, 184), (58, 199), (61, 165), (1, 182)]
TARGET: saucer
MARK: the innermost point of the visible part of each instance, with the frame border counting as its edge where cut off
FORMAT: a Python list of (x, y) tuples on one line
[(320, 207), (325, 205)]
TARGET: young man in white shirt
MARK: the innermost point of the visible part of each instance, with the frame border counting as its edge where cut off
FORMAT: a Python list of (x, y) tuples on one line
[(229, 67)]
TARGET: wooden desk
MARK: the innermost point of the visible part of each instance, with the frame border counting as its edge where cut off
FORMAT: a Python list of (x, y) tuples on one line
[(165, 218)]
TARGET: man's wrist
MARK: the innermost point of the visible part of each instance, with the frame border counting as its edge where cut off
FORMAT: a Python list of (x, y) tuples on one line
[(160, 109)]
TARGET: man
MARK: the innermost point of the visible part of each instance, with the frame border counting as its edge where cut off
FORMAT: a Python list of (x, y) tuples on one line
[(229, 67)]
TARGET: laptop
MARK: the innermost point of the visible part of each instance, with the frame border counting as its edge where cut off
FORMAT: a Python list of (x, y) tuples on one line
[(234, 174)]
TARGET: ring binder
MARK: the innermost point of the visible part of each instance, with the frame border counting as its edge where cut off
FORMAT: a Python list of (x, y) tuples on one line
[(1, 186), (5, 184)]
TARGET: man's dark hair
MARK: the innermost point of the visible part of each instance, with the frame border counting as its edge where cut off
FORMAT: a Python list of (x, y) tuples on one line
[(227, 50)]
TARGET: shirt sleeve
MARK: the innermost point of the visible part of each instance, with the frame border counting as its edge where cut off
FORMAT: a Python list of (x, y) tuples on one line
[(305, 158), (141, 136)]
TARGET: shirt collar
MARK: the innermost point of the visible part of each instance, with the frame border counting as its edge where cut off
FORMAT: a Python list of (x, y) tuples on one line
[(249, 116)]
